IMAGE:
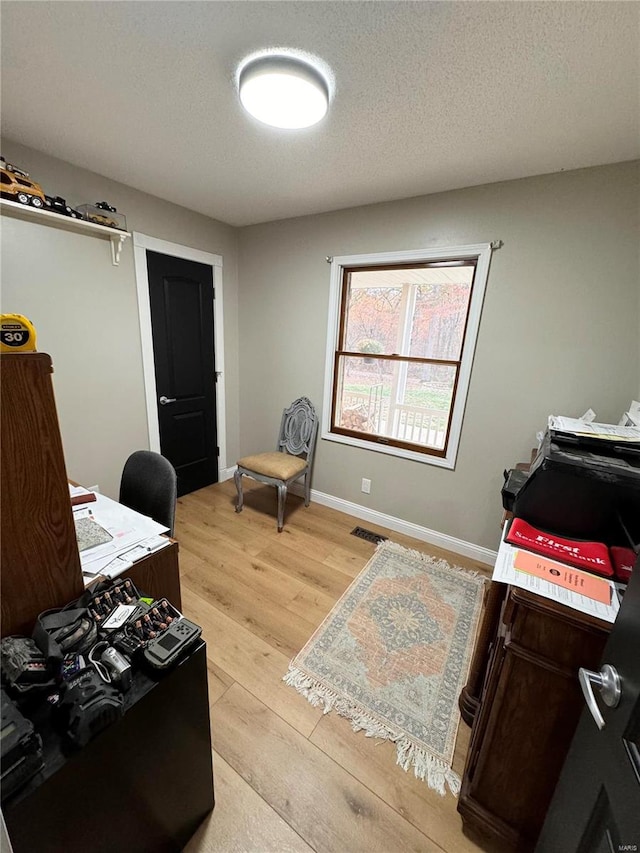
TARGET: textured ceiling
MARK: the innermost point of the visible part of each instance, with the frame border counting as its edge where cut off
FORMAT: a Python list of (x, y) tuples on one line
[(428, 96)]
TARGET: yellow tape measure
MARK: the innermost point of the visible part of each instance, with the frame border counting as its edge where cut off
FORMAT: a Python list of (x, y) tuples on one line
[(17, 334)]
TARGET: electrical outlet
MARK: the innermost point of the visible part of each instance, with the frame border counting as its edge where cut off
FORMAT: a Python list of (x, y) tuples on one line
[(366, 486)]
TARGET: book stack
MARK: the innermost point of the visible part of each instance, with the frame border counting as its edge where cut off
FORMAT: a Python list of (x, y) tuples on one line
[(595, 557)]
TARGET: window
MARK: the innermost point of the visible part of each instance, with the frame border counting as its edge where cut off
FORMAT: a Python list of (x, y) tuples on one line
[(402, 332)]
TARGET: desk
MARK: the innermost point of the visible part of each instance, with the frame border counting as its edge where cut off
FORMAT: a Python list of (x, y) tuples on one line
[(156, 575), (143, 784)]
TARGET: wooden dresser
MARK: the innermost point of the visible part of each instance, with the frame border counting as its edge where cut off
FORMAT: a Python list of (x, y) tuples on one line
[(527, 706)]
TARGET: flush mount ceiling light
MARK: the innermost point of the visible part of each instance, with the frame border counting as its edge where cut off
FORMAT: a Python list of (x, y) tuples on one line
[(283, 91)]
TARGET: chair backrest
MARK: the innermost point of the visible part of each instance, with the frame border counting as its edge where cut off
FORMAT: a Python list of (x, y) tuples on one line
[(298, 429), (149, 485)]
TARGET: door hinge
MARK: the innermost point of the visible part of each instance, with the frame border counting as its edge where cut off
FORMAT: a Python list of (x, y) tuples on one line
[(217, 451)]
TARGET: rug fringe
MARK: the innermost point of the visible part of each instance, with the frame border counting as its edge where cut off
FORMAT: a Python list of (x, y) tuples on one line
[(434, 771), (439, 562)]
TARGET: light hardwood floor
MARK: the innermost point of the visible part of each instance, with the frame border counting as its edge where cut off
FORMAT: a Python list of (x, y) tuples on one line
[(286, 777)]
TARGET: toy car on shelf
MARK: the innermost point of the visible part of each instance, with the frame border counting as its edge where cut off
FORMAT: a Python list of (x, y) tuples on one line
[(15, 185), (57, 204), (102, 213)]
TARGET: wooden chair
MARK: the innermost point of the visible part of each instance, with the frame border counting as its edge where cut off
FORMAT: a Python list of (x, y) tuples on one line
[(291, 460)]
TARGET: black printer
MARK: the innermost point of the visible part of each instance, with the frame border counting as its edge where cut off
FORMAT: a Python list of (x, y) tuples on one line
[(583, 488)]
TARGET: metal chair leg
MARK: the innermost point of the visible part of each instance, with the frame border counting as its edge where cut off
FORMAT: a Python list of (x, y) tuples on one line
[(282, 497), (238, 481), (307, 488)]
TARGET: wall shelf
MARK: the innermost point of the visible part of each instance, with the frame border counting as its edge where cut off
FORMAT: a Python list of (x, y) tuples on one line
[(115, 236)]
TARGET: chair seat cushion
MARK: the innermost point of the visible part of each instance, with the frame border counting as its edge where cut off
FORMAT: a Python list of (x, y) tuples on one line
[(282, 466)]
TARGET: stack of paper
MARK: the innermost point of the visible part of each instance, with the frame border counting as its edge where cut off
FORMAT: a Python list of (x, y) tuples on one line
[(133, 536), (598, 596), (606, 432)]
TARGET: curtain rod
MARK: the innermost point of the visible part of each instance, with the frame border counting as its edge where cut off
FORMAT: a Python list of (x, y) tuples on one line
[(495, 244)]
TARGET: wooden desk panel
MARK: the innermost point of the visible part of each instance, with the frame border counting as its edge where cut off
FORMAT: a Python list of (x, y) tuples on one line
[(158, 575), (40, 560)]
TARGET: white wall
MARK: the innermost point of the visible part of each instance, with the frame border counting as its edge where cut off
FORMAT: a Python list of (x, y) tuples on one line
[(559, 330), (86, 314)]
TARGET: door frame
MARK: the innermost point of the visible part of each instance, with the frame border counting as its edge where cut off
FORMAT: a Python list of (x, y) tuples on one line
[(142, 243)]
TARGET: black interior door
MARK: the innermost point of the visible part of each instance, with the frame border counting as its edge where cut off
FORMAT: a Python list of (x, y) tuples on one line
[(181, 294), (596, 804)]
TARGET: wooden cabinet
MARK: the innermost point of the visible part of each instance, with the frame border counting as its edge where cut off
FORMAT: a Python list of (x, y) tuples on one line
[(40, 560), (528, 710)]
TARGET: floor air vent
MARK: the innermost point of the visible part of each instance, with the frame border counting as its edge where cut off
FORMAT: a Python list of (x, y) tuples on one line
[(369, 535)]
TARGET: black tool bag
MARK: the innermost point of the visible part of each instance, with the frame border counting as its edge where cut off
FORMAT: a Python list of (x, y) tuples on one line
[(20, 747), (60, 632), (87, 705), (24, 668)]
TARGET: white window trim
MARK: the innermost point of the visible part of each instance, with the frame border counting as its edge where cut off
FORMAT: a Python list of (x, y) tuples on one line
[(142, 242), (481, 251)]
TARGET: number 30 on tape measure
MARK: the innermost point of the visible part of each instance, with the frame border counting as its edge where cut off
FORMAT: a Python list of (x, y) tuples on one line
[(17, 334)]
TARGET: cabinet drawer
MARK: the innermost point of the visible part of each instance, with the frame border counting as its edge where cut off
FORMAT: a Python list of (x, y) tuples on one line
[(568, 638)]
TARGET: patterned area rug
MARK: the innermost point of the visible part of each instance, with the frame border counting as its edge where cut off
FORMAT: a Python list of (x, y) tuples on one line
[(394, 654)]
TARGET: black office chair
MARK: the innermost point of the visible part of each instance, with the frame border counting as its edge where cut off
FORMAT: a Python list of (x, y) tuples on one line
[(149, 485)]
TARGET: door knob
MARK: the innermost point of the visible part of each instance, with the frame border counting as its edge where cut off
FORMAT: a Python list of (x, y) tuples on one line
[(607, 681), (164, 401)]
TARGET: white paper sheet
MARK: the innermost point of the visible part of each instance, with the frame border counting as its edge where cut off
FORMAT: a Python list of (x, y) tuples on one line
[(126, 559), (76, 491), (608, 432), (505, 572), (129, 530)]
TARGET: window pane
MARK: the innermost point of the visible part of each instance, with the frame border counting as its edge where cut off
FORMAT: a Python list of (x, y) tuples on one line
[(398, 400), (418, 311), (373, 313), (440, 313)]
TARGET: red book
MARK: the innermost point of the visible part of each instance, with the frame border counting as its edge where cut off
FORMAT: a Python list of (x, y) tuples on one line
[(623, 560), (590, 556)]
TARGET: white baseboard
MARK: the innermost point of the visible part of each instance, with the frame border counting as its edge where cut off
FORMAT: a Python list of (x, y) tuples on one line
[(408, 528), (424, 534)]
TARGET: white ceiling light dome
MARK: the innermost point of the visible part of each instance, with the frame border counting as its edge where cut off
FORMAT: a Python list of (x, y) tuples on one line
[(283, 91)]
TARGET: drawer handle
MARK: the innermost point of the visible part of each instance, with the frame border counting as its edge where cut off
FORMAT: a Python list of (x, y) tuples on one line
[(607, 681)]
